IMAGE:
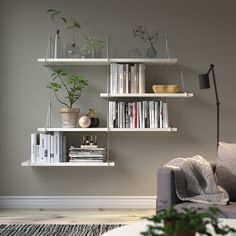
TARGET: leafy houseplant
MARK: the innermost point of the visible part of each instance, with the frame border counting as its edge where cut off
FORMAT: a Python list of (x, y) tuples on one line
[(73, 85), (141, 32), (92, 47), (186, 223)]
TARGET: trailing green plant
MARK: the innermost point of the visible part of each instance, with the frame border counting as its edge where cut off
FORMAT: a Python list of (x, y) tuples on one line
[(74, 25), (56, 17), (142, 33), (92, 46), (73, 85), (189, 221)]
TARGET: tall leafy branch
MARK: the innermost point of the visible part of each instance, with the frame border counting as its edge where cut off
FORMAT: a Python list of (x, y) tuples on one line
[(56, 17), (73, 86)]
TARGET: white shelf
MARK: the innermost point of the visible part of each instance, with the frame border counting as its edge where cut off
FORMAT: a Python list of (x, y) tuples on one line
[(73, 129), (108, 129), (106, 61), (143, 129), (60, 164), (147, 95)]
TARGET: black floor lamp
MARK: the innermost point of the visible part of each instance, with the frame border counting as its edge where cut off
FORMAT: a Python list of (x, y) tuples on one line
[(204, 81)]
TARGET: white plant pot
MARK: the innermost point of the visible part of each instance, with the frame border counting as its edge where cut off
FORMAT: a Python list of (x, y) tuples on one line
[(69, 117)]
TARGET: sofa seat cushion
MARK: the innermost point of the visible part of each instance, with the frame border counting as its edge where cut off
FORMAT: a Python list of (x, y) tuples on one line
[(228, 211), (226, 168)]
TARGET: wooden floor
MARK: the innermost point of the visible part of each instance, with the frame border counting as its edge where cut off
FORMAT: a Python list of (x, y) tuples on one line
[(73, 216)]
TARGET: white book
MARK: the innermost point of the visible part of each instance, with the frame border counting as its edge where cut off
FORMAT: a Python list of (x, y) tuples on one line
[(47, 147), (121, 78), (42, 148), (156, 115), (165, 116), (52, 147), (33, 148), (161, 114), (143, 113), (114, 78), (136, 77), (127, 80), (140, 115), (151, 113), (141, 78), (56, 139)]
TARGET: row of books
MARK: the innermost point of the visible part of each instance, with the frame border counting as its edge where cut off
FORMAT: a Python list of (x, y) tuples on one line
[(87, 154), (49, 147), (127, 78), (143, 114)]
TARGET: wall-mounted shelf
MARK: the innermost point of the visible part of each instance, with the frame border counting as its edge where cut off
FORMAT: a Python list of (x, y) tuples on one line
[(108, 129), (106, 61), (147, 95), (73, 129), (28, 163)]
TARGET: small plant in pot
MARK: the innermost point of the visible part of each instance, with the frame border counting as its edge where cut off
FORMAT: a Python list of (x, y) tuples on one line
[(73, 86), (170, 222)]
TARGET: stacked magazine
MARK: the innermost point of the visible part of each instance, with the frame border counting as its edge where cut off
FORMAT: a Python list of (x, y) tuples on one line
[(85, 153)]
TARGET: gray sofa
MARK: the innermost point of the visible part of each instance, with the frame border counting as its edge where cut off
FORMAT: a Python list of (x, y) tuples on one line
[(166, 195)]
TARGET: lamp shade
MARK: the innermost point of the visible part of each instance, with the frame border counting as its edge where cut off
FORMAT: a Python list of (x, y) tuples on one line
[(204, 81)]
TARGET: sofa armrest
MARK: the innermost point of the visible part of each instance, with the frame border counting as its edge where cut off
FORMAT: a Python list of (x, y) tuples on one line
[(166, 192)]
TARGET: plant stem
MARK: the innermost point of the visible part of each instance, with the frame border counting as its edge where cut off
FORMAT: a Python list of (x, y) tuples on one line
[(66, 90), (60, 100), (154, 50)]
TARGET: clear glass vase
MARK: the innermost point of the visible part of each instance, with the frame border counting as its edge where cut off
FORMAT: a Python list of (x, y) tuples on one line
[(151, 52), (58, 45)]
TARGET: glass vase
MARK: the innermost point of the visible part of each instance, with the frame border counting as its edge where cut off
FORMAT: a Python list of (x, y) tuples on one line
[(58, 46), (151, 52)]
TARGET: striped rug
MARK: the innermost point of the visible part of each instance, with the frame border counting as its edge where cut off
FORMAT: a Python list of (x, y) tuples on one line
[(54, 230)]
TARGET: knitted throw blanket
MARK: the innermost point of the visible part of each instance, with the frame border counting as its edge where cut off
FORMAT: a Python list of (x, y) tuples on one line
[(195, 181)]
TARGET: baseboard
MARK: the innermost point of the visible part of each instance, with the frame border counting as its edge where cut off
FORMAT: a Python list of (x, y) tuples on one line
[(137, 202)]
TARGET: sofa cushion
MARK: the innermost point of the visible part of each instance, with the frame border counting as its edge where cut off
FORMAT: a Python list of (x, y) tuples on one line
[(226, 168), (228, 211)]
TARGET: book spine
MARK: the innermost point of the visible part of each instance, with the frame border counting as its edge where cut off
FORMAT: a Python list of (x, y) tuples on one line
[(52, 147), (33, 148), (141, 78), (127, 69), (114, 78), (132, 79), (161, 114), (56, 147), (121, 78), (136, 78), (42, 148), (165, 116)]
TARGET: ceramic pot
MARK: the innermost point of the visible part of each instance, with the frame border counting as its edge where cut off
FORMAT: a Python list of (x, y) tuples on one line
[(69, 117)]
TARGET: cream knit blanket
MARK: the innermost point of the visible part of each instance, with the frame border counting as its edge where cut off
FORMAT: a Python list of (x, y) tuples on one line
[(195, 181)]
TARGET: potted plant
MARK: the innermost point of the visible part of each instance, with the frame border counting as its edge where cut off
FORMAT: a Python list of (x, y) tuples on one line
[(170, 222), (73, 86)]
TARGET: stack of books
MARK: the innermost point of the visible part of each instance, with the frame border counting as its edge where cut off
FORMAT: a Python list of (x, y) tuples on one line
[(48, 147), (127, 78), (85, 153), (143, 114)]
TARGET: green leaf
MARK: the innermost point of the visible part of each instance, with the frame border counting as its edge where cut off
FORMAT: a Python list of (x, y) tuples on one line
[(76, 24), (51, 10), (69, 27), (64, 19)]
